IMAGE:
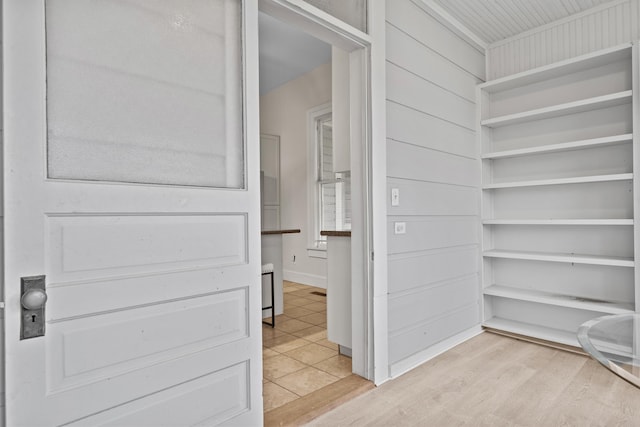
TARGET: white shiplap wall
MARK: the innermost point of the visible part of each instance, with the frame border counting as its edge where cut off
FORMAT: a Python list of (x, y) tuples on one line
[(432, 160), (608, 25), (2, 391)]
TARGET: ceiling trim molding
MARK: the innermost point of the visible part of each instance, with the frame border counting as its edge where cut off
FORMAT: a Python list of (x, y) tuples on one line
[(561, 21), (453, 24)]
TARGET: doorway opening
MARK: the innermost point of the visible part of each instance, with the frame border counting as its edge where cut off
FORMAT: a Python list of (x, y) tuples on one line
[(300, 335)]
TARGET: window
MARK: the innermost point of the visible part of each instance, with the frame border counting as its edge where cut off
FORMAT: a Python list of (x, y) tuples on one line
[(330, 207)]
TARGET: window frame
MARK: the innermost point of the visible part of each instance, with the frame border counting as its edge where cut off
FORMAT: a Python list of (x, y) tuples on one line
[(315, 247)]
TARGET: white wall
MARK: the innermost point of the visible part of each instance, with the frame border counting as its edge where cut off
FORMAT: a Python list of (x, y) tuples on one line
[(598, 28), (283, 112), (433, 269)]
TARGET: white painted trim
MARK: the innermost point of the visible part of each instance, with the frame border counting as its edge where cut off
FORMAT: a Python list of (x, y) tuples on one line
[(378, 313), (326, 27), (559, 22), (418, 359), (360, 205), (635, 85), (453, 24), (305, 278), (317, 253)]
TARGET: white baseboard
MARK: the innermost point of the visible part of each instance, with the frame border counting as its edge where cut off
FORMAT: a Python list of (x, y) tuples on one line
[(419, 358), (305, 278)]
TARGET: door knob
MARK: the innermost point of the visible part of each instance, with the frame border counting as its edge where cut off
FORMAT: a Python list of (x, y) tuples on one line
[(34, 299)]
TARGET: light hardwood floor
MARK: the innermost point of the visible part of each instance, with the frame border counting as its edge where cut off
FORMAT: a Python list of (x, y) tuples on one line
[(492, 380)]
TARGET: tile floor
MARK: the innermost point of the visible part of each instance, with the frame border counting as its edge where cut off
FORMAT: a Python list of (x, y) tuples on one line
[(297, 357)]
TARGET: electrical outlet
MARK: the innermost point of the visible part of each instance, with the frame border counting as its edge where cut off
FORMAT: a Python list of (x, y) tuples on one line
[(400, 227), (395, 197)]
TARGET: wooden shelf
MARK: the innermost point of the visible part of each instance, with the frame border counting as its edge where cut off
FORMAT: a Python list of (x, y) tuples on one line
[(556, 148), (574, 107), (561, 181), (558, 300), (534, 331), (559, 69), (561, 257), (558, 222)]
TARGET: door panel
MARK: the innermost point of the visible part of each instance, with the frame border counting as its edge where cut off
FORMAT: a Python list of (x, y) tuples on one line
[(89, 349), (93, 246), (208, 400), (153, 316)]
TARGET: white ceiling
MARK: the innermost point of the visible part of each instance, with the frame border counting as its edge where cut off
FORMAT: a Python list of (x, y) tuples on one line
[(495, 20), (287, 53)]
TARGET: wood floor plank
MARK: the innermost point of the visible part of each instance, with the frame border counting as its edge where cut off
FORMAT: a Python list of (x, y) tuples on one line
[(315, 404), (492, 380)]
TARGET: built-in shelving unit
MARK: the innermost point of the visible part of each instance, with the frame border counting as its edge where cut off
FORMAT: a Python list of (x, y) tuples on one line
[(558, 195)]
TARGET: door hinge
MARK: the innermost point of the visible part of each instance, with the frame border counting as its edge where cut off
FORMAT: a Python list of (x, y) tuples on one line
[(371, 255), (1, 304)]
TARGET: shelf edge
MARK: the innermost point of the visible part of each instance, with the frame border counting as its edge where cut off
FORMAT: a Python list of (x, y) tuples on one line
[(554, 148), (559, 257), (593, 103)]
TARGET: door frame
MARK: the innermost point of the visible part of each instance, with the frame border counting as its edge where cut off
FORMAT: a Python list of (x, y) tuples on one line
[(368, 154)]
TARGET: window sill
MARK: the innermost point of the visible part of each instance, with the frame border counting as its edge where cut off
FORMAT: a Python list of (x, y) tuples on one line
[(317, 253)]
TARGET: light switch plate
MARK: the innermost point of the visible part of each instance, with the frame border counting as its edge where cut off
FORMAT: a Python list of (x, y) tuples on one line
[(400, 227), (395, 197)]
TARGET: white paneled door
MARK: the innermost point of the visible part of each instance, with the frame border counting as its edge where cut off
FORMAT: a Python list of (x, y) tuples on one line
[(131, 178)]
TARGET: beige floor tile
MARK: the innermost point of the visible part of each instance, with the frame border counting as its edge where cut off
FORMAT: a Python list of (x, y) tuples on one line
[(311, 353), (297, 342), (280, 318), (302, 292), (288, 284), (293, 300), (328, 344), (316, 306), (285, 343), (276, 396), (314, 333), (269, 333), (297, 312), (317, 298), (293, 325), (280, 365), (267, 352), (306, 381), (315, 318), (339, 366)]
